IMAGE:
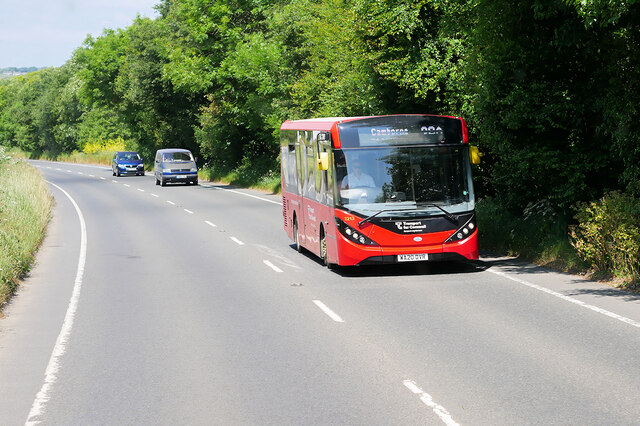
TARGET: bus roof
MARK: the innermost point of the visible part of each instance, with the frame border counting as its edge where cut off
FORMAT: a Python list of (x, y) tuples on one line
[(330, 124), (324, 124)]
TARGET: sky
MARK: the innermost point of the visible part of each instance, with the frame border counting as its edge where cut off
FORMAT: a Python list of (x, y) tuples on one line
[(44, 33)]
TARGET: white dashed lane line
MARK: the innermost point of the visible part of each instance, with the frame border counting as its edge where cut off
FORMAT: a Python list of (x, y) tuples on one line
[(328, 311), (237, 241), (272, 266), (171, 202), (210, 224), (140, 189), (188, 211), (440, 411)]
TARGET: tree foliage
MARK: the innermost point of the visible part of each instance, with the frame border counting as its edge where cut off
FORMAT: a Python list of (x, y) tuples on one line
[(549, 87)]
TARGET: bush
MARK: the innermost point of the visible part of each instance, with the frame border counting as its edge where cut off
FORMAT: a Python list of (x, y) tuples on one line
[(539, 234), (608, 235)]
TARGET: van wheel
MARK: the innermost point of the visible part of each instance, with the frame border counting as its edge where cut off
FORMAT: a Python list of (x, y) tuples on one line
[(157, 181), (162, 182)]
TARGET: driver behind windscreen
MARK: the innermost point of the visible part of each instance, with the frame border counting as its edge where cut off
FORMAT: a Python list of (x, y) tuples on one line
[(357, 178)]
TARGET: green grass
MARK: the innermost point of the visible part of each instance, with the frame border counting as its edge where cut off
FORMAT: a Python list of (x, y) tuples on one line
[(25, 208)]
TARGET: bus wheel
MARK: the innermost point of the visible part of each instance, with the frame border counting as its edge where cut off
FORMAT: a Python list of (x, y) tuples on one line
[(296, 236), (323, 250)]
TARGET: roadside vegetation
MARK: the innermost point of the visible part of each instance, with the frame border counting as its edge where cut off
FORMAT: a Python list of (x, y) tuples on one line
[(25, 206), (549, 89)]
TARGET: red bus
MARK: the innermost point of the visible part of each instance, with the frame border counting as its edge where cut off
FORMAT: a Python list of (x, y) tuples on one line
[(381, 189)]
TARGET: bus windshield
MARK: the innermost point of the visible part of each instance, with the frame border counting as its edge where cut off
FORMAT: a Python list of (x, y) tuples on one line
[(406, 181)]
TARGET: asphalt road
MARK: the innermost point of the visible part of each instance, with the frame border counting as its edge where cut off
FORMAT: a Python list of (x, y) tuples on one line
[(189, 305)]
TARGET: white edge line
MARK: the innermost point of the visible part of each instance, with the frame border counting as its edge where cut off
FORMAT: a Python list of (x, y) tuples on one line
[(272, 266), (569, 299), (245, 194), (50, 376), (427, 399), (328, 311), (235, 240), (210, 224)]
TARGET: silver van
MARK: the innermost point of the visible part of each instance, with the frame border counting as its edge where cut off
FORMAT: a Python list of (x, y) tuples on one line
[(175, 165)]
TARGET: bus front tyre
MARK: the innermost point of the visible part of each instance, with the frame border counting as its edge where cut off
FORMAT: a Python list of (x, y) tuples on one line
[(296, 236)]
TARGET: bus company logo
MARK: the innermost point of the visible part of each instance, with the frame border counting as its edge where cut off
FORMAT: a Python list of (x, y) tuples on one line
[(411, 227), (431, 130), (388, 132)]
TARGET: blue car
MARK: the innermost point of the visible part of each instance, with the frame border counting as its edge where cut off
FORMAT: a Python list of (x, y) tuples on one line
[(127, 162)]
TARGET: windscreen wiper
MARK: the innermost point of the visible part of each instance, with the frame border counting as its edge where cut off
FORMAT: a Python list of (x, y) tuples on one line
[(368, 218), (449, 216)]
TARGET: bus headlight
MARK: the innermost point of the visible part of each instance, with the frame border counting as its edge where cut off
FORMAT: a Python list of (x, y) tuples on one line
[(352, 234), (463, 232)]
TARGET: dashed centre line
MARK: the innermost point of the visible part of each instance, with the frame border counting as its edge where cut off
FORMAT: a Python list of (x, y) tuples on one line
[(237, 241), (272, 266), (171, 202), (188, 211), (210, 224), (328, 311), (140, 189), (440, 411)]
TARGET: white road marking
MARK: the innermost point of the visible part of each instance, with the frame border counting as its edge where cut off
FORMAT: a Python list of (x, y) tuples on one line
[(127, 185), (60, 347), (171, 202), (428, 401), (155, 195), (272, 266), (210, 224), (69, 171), (188, 211), (242, 193), (80, 173), (328, 311), (141, 190), (102, 178), (235, 240), (569, 299), (91, 175), (114, 181)]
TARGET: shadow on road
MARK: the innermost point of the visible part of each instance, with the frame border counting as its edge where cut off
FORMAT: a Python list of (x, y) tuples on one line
[(403, 269)]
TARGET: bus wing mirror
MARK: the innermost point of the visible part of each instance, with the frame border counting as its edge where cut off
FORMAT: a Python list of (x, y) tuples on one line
[(474, 155), (323, 161)]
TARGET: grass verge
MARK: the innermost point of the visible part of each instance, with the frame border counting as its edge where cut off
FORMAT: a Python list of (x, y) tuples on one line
[(25, 209)]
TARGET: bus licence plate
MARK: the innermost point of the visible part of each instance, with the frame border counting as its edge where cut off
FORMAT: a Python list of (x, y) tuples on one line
[(413, 257)]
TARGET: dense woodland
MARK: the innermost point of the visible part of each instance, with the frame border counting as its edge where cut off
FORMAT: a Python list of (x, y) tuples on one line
[(550, 88)]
